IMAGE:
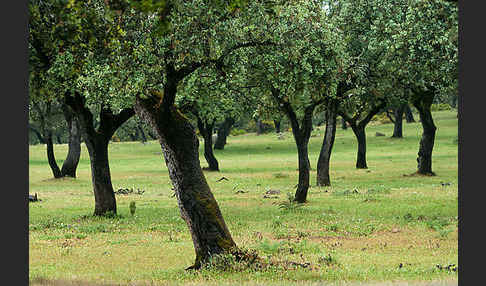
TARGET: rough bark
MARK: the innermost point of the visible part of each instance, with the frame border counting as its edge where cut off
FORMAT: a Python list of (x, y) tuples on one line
[(423, 100), (97, 145), (408, 114), (398, 121), (323, 178), (223, 132), (74, 144), (180, 147), (206, 130)]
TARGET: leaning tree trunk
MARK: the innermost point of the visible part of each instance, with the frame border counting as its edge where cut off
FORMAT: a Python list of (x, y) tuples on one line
[(223, 132), (97, 145), (206, 131), (359, 132), (423, 102), (398, 124), (180, 147), (51, 157), (408, 114), (74, 145), (304, 169), (323, 178)]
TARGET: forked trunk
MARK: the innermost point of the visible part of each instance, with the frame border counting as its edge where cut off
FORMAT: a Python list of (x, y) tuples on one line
[(423, 103), (223, 133), (323, 178), (74, 145), (97, 145), (197, 204)]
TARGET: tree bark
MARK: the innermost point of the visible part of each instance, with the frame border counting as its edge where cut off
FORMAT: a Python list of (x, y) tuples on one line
[(301, 136), (408, 114), (97, 145), (344, 126), (74, 144), (259, 126), (422, 101), (277, 125), (51, 157), (142, 133), (180, 147), (223, 132), (398, 122), (206, 130), (359, 132), (323, 178)]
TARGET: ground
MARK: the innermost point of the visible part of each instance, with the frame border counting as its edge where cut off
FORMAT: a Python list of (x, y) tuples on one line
[(370, 227)]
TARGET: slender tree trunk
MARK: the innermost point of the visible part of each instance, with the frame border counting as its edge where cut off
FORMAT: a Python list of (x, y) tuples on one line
[(223, 132), (408, 114), (344, 126), (259, 126), (206, 130), (74, 145), (304, 170), (51, 157), (301, 134), (323, 178), (180, 147), (398, 124), (423, 102), (97, 145), (359, 132), (277, 125)]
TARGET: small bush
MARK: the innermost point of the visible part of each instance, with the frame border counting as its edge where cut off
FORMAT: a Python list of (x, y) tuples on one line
[(440, 107), (236, 132)]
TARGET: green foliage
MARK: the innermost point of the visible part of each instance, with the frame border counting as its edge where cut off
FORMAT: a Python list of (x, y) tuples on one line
[(290, 204)]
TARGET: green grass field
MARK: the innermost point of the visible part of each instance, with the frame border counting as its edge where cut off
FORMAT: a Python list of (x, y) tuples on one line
[(392, 228)]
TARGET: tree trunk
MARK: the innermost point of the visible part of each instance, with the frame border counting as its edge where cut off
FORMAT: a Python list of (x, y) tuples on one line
[(323, 178), (51, 157), (359, 132), (277, 125), (398, 124), (180, 147), (344, 126), (206, 130), (142, 134), (105, 201), (223, 132), (304, 170), (97, 145), (259, 126), (74, 145), (423, 102), (408, 114)]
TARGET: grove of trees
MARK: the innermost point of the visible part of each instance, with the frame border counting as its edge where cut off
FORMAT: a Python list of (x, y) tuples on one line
[(170, 69)]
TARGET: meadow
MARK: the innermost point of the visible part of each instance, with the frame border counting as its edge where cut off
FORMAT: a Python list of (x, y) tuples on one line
[(374, 225)]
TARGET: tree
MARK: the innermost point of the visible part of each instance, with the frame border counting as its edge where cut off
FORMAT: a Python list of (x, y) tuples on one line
[(298, 73), (422, 57), (73, 44)]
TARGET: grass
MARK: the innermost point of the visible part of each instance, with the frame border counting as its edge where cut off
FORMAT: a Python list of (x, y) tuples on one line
[(370, 226)]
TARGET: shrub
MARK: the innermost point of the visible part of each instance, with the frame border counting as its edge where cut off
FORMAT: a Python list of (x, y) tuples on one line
[(236, 132), (440, 107)]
